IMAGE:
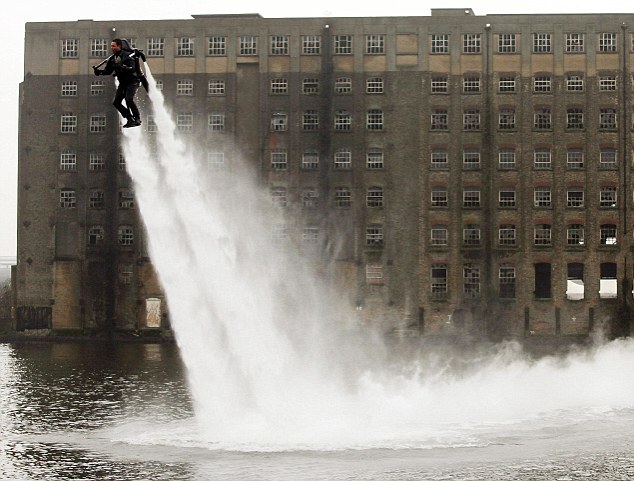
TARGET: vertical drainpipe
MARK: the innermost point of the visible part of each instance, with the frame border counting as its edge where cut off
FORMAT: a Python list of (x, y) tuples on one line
[(488, 172), (625, 122), (325, 132)]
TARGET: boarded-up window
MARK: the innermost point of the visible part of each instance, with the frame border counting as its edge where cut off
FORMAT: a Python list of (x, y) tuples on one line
[(153, 312)]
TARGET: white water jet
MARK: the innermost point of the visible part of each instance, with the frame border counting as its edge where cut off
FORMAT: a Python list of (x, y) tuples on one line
[(274, 361)]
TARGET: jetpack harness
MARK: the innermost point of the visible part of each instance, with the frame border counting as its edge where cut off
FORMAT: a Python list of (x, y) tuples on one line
[(137, 55)]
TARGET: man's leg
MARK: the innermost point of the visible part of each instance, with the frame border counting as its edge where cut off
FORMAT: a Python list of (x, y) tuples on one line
[(118, 102), (130, 92)]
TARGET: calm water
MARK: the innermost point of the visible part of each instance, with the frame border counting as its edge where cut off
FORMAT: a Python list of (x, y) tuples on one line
[(75, 411)]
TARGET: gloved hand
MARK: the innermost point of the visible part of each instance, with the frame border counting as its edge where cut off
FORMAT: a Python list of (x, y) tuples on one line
[(97, 71)]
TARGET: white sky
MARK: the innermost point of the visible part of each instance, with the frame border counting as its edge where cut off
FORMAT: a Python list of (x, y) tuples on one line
[(12, 34)]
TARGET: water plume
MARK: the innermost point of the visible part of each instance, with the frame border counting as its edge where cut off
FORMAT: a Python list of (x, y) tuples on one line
[(278, 360)]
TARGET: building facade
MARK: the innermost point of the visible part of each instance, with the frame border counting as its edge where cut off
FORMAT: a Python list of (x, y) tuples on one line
[(473, 172)]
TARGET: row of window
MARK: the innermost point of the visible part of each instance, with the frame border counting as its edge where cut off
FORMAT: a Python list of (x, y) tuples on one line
[(542, 197), (343, 44), (507, 119), (97, 234), (96, 199), (507, 158), (508, 286), (507, 235)]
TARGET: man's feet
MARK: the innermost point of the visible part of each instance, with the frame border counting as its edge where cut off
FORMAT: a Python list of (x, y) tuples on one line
[(132, 123)]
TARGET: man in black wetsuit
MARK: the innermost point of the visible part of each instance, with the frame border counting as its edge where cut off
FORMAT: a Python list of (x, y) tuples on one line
[(123, 64)]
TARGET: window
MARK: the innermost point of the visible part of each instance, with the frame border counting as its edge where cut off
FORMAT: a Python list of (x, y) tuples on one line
[(607, 42), (374, 235), (542, 118), (543, 277), (216, 87), (471, 197), (608, 283), (310, 160), (159, 85), (126, 199), (374, 159), (374, 274), (506, 159), (471, 84), (185, 87), (471, 159), (375, 44), (343, 197), (279, 86), (439, 159), (311, 45), (248, 45), (68, 123), (69, 48), (69, 88), (279, 233), (310, 120), (439, 198), (122, 163), (343, 44), (607, 234), (279, 159), (471, 235), (343, 85), (216, 121), (506, 84), (125, 235), (439, 119), (310, 86), (343, 120), (507, 43), (575, 159), (438, 283), (542, 197), (440, 43), (374, 119), (310, 198), (96, 235), (607, 119), (343, 159), (215, 160), (279, 122), (97, 87), (507, 234), (374, 85), (471, 278), (607, 197), (68, 160), (184, 47), (506, 275), (185, 122), (471, 119), (506, 198), (99, 47), (575, 197), (217, 46), (574, 118), (542, 83), (471, 43), (67, 199), (96, 161), (542, 235), (439, 84), (574, 42), (607, 158), (542, 43), (542, 159), (575, 235), (374, 197), (310, 235), (574, 83), (96, 199), (97, 123), (607, 83), (506, 119), (439, 235), (155, 47), (279, 45), (151, 124)]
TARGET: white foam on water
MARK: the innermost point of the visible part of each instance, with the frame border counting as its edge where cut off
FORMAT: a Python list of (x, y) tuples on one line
[(275, 361)]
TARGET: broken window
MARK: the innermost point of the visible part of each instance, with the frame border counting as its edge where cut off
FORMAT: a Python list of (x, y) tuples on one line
[(608, 288), (574, 284)]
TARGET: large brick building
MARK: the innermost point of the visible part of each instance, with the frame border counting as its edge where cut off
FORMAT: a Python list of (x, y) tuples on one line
[(475, 170)]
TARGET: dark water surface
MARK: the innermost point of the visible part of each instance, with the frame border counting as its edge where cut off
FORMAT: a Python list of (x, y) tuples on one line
[(123, 412)]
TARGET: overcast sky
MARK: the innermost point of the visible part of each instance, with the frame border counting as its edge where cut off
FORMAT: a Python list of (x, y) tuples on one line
[(69, 10)]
